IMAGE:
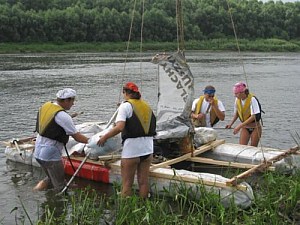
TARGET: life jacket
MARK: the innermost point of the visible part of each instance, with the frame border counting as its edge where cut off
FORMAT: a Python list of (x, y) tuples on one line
[(244, 112), (46, 125), (213, 116), (142, 123)]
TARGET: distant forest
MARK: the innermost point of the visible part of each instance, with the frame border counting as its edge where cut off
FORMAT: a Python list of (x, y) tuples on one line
[(109, 20)]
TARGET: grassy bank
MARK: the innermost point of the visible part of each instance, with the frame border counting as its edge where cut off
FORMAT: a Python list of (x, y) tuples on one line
[(276, 202), (265, 45)]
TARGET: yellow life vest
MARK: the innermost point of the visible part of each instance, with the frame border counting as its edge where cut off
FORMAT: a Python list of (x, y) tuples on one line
[(244, 112), (46, 125), (46, 114), (143, 112), (213, 116)]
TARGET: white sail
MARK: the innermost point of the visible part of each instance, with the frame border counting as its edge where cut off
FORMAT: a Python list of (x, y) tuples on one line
[(176, 91)]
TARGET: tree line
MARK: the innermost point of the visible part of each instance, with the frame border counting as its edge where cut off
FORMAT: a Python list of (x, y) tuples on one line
[(110, 20)]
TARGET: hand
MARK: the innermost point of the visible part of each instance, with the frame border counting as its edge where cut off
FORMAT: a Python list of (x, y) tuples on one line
[(200, 116), (228, 126), (211, 101), (237, 129), (101, 141)]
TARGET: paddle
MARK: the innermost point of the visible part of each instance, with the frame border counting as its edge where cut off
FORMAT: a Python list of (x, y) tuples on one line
[(86, 157)]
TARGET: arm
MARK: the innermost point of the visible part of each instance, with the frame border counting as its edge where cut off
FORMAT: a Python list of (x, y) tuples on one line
[(219, 113), (65, 121), (197, 116), (245, 123), (194, 115), (254, 109), (114, 131), (80, 138), (228, 126)]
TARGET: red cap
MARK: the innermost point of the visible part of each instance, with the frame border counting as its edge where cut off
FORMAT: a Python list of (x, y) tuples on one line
[(131, 86)]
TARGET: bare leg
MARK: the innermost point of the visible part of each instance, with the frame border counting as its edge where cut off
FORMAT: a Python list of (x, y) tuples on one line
[(55, 175), (143, 176), (244, 136), (42, 185), (255, 136), (128, 168)]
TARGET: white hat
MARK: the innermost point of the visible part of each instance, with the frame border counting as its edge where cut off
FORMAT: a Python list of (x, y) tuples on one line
[(66, 93)]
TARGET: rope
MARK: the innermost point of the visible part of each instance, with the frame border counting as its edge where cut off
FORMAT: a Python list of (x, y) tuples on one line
[(180, 28), (243, 66), (141, 46), (127, 50), (127, 47)]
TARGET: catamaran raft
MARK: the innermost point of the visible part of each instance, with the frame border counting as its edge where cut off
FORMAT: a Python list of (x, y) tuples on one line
[(162, 176)]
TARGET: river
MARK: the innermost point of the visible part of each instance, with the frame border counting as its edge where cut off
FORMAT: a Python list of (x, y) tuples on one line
[(28, 80)]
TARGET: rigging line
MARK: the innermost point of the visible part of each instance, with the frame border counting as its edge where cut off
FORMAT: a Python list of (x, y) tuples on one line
[(237, 41), (296, 138), (243, 66), (141, 45), (179, 23), (127, 49)]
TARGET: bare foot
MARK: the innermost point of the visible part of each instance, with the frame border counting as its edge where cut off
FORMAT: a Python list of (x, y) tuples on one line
[(42, 185)]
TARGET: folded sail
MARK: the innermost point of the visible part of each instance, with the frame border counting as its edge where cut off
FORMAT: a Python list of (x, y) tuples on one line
[(176, 91)]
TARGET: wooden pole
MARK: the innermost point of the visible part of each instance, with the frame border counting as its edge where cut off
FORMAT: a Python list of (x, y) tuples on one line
[(224, 163), (261, 167), (198, 151)]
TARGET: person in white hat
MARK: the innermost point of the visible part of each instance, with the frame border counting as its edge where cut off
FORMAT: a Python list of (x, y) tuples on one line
[(54, 126)]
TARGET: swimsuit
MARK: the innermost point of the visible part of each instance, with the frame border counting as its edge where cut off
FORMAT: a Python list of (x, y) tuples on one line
[(250, 130), (144, 157)]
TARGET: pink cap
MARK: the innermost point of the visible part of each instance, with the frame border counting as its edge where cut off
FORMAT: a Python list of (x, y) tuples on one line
[(239, 87)]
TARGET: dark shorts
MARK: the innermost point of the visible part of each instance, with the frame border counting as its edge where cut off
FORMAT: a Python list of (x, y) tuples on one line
[(55, 173), (144, 157)]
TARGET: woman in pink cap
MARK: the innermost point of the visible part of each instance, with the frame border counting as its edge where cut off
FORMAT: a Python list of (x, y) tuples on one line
[(137, 124), (247, 108)]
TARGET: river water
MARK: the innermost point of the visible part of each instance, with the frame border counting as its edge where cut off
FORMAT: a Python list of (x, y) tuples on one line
[(28, 80)]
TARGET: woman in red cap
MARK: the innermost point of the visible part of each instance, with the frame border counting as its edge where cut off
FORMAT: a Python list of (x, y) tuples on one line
[(247, 108), (137, 123)]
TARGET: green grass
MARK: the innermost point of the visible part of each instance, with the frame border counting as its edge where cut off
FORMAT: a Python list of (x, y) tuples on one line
[(263, 45), (276, 202)]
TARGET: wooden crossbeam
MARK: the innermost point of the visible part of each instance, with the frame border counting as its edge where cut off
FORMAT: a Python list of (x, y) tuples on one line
[(19, 141), (261, 167), (224, 163), (196, 152), (195, 180), (157, 174), (109, 157)]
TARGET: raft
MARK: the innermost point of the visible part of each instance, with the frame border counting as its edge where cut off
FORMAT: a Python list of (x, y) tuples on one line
[(105, 167), (162, 176)]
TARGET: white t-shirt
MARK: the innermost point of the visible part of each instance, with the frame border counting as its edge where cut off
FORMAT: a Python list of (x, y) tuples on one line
[(133, 147), (48, 149), (205, 105)]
